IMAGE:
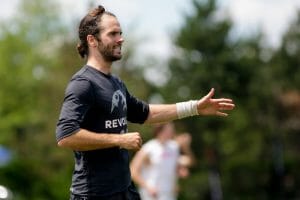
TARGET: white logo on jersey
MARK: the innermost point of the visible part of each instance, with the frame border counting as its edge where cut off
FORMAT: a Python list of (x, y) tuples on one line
[(115, 123), (118, 97)]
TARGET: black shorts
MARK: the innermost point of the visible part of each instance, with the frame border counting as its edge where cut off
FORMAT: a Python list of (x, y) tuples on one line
[(129, 194)]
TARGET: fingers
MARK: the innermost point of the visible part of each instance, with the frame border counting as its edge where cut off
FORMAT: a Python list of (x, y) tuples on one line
[(221, 114), (132, 141), (226, 106), (137, 142), (222, 100), (140, 142)]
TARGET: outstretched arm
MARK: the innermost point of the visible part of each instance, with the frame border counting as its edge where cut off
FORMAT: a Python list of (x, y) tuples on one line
[(205, 106)]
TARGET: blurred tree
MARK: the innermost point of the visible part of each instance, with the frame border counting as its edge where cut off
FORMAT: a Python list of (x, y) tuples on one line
[(28, 42), (285, 65), (245, 149)]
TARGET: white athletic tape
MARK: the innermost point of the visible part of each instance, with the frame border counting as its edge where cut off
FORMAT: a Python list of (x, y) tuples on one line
[(187, 109)]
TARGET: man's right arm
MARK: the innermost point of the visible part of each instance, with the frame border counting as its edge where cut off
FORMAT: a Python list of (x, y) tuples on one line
[(84, 140)]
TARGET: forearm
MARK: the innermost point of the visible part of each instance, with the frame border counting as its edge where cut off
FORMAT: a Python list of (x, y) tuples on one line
[(85, 140), (160, 113)]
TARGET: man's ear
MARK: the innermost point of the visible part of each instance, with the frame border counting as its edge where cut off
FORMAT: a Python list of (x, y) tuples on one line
[(92, 41)]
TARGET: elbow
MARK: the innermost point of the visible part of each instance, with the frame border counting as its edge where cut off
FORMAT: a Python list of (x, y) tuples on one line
[(62, 143), (65, 141), (69, 141)]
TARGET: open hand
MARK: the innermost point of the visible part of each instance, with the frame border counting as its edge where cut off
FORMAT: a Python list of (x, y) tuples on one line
[(209, 106)]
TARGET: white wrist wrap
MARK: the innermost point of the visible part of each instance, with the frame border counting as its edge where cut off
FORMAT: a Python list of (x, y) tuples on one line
[(186, 109)]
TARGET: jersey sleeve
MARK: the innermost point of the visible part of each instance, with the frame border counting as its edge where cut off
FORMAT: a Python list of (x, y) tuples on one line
[(137, 110), (77, 101)]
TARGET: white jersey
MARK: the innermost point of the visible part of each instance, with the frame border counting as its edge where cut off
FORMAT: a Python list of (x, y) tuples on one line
[(160, 173)]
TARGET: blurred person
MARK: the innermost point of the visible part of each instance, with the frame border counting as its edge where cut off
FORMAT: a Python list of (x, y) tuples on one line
[(96, 108), (156, 167)]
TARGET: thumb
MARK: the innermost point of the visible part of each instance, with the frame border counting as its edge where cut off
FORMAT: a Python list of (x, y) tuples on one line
[(210, 94)]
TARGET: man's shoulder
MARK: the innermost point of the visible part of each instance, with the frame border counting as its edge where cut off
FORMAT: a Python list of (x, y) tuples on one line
[(92, 75), (79, 83), (82, 73), (85, 76), (81, 77)]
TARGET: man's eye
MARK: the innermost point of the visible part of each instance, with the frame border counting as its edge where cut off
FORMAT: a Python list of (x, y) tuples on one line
[(116, 33)]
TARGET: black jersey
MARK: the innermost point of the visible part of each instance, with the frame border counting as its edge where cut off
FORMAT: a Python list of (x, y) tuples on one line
[(99, 103)]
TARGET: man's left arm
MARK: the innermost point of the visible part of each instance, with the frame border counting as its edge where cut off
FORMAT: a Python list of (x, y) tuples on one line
[(205, 106)]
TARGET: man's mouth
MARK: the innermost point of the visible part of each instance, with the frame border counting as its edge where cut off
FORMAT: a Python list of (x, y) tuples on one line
[(118, 49)]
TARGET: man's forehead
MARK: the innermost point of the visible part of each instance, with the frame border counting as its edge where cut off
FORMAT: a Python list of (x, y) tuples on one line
[(108, 22)]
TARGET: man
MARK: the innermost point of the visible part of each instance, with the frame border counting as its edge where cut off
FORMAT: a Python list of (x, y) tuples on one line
[(96, 108)]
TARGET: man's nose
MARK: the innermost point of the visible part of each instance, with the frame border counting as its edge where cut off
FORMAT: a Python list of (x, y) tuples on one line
[(120, 40)]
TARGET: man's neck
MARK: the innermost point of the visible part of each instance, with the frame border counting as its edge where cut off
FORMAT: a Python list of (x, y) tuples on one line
[(99, 64)]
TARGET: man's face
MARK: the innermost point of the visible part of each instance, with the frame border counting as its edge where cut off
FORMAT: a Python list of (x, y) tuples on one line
[(110, 40)]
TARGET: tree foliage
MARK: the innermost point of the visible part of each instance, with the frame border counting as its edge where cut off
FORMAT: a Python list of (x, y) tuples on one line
[(248, 148), (28, 102)]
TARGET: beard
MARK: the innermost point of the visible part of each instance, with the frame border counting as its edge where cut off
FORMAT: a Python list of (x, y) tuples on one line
[(107, 51)]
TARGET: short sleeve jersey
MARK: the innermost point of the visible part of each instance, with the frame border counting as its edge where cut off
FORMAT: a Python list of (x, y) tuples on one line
[(100, 103)]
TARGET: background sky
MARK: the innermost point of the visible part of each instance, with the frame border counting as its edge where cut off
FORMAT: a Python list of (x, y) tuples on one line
[(155, 22)]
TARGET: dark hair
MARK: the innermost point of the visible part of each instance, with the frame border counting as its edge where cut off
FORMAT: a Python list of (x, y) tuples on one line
[(90, 25)]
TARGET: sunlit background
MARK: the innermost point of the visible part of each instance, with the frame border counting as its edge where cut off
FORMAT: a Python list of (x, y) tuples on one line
[(175, 50)]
